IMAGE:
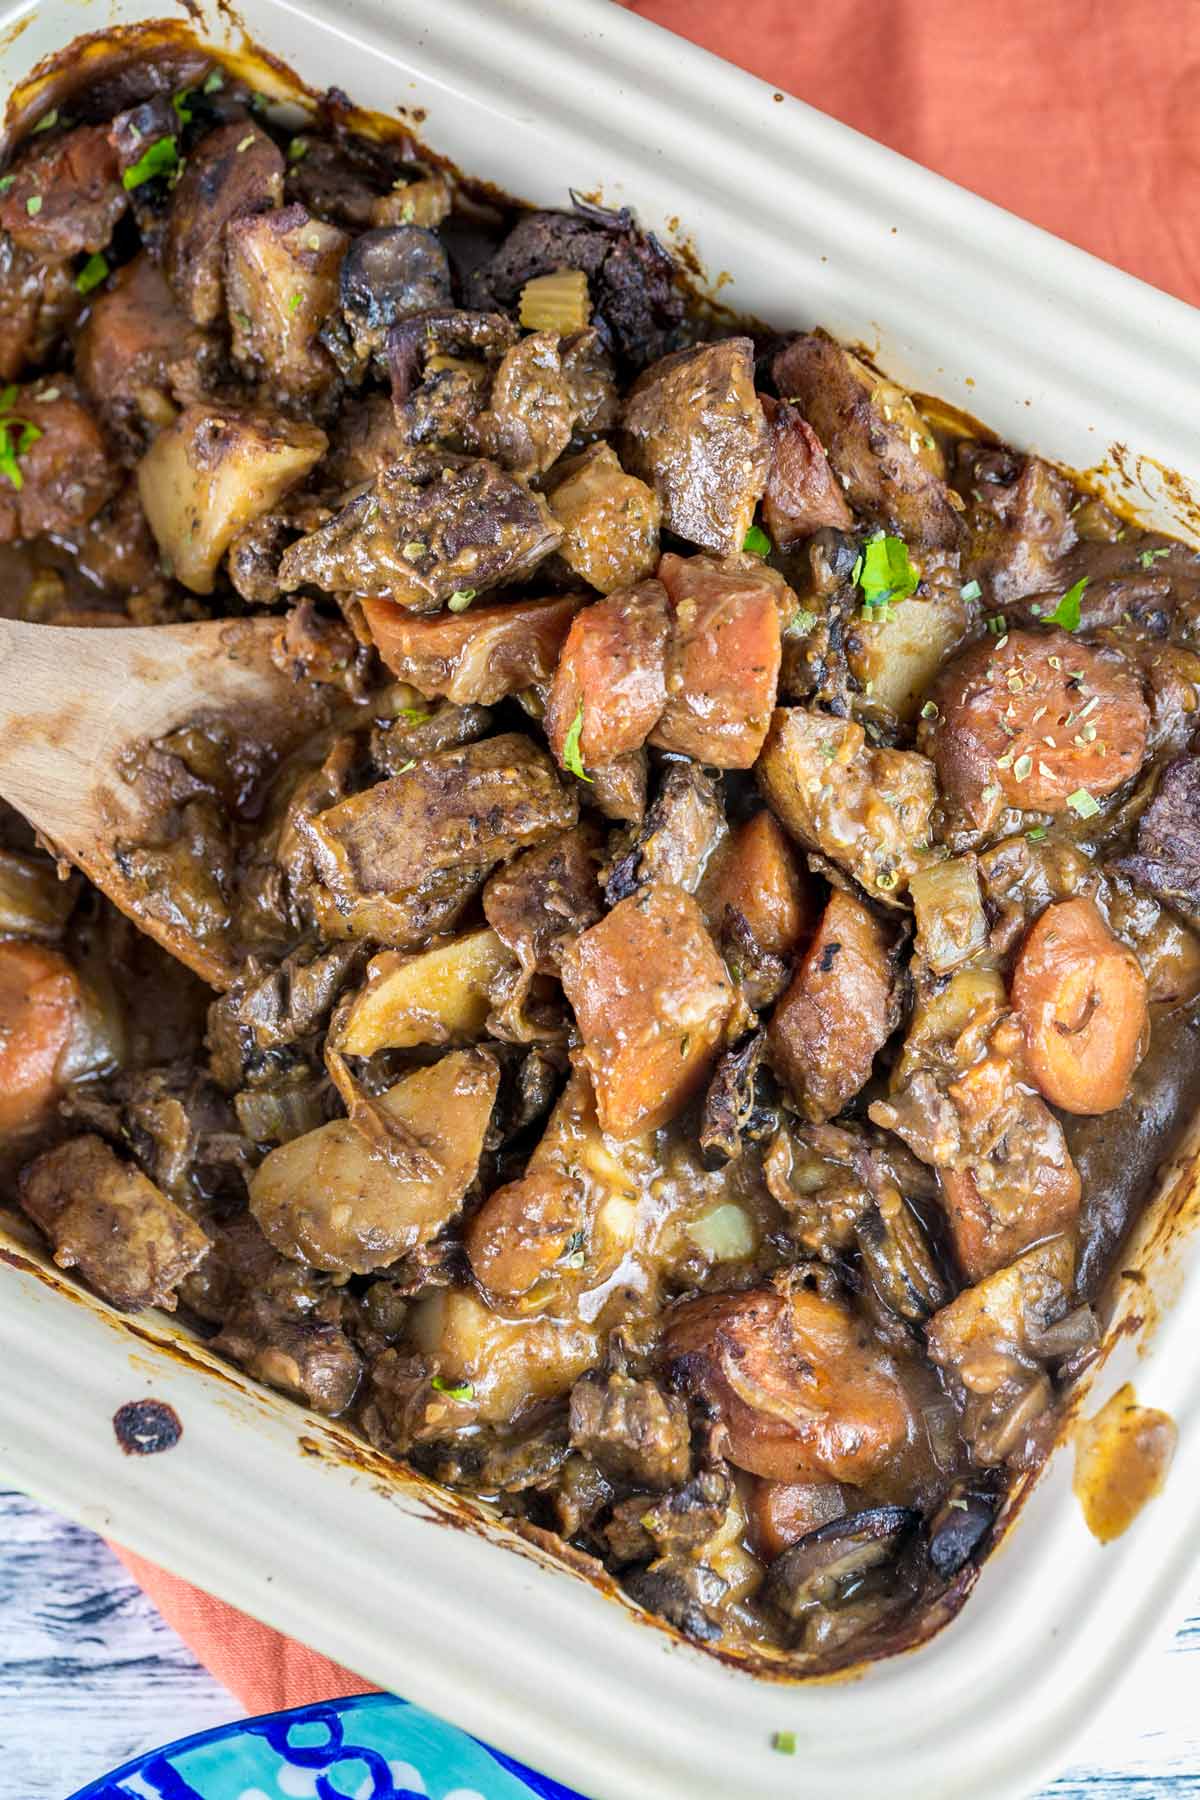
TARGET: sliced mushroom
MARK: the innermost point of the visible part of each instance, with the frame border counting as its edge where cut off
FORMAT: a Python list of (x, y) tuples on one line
[(823, 1566)]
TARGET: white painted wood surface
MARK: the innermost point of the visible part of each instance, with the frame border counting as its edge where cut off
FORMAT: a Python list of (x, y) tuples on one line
[(90, 1675)]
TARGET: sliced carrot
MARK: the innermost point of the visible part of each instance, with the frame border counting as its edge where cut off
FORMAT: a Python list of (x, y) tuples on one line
[(723, 667), (1081, 997), (755, 870), (476, 656), (837, 1014), (40, 1007), (611, 679)]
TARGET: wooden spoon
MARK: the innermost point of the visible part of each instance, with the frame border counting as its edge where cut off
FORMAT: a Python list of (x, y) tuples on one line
[(78, 706)]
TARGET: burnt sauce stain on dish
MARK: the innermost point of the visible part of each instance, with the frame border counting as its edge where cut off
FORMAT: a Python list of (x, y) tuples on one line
[(1122, 1456), (147, 1427), (543, 1144)]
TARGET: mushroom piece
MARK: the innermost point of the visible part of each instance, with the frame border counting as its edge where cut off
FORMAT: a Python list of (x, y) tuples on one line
[(957, 1530), (819, 1569)]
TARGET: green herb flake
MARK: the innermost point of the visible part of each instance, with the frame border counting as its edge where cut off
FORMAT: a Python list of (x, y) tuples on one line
[(6, 182), (413, 715), (297, 150), (784, 1742), (405, 767), (886, 573), (1085, 805), (47, 122), (213, 83), (10, 452), (998, 625), (295, 302), (460, 599), (1148, 558), (757, 542), (971, 590), (414, 552), (246, 142), (91, 275), (162, 158), (179, 101), (1068, 612), (572, 759), (886, 880), (1036, 834), (453, 1390), (33, 205), (803, 621), (929, 710)]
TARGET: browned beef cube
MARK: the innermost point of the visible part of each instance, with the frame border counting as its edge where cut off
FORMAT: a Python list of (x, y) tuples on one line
[(631, 1428), (234, 170), (66, 471), (103, 1217), (66, 195)]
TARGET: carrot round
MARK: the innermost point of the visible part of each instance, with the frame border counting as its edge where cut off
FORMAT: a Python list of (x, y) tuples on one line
[(39, 1012), (1081, 998)]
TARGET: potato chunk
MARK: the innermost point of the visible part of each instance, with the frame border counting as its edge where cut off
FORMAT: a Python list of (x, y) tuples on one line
[(509, 1366), (610, 520), (439, 996), (338, 1201), (652, 1000), (212, 473), (281, 284), (103, 1217), (868, 810)]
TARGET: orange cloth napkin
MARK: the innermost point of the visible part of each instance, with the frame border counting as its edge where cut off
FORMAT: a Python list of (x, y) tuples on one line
[(1077, 114)]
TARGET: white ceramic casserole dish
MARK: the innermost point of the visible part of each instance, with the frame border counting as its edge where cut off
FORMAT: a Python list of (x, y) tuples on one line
[(281, 1513)]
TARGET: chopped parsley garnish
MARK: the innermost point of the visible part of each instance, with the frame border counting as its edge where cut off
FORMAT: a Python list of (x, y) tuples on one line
[(803, 621), (413, 552), (413, 715), (48, 121), (405, 767), (757, 542), (213, 83), (929, 710), (1036, 833), (297, 150), (295, 302), (453, 1390), (162, 158), (33, 205), (6, 182), (460, 599), (572, 759), (884, 572), (92, 273), (784, 1742), (179, 101), (1068, 612), (246, 142), (1148, 558), (1083, 803), (971, 590), (16, 437)]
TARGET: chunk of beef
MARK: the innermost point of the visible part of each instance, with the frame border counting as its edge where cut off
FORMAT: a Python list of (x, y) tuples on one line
[(804, 1393), (390, 273), (681, 1520), (617, 789), (839, 1011), (66, 471), (1167, 862), (734, 1109), (234, 170), (610, 520), (128, 1241), (535, 405), (609, 687), (38, 303), (138, 128), (694, 430), (313, 1361), (65, 196), (281, 284), (1019, 524), (868, 810), (466, 527), (652, 1000), (267, 1009), (448, 336), (634, 1430), (341, 177), (630, 276), (353, 1197), (399, 860), (414, 733), (365, 440), (313, 646), (683, 828), (754, 871), (878, 445), (802, 492), (545, 897), (723, 662), (474, 657), (256, 552), (137, 353)]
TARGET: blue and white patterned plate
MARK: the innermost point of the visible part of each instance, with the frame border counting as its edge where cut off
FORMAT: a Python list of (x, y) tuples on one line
[(372, 1747)]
